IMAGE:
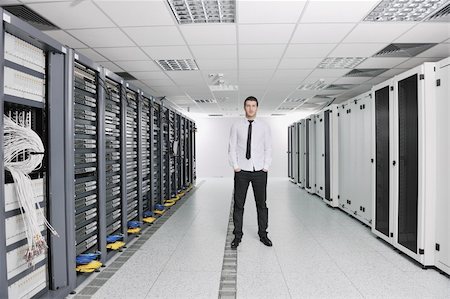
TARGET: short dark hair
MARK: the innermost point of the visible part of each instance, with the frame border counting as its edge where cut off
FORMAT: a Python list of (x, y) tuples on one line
[(251, 98)]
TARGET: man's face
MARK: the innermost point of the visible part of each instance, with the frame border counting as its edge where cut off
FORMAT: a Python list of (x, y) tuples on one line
[(250, 108)]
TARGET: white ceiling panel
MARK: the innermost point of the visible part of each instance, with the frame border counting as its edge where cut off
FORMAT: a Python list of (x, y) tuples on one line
[(65, 38), (381, 62), (111, 66), (426, 32), (168, 52), (413, 62), (10, 2), (158, 82), (214, 34), (440, 50), (356, 50), (211, 64), (196, 89), (265, 33), (137, 13), (102, 37), (251, 90), (308, 50), (302, 94), (255, 77), (71, 15), (215, 52), (261, 51), (299, 63), (269, 11), (334, 11), (168, 91), (325, 73), (186, 77), (138, 66), (123, 53), (289, 76), (351, 80), (312, 79), (155, 75), (258, 64), (376, 32), (91, 54), (212, 76), (321, 33), (155, 36), (389, 74)]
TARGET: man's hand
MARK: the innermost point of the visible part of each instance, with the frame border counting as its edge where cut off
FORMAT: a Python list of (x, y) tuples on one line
[(265, 170), (237, 170)]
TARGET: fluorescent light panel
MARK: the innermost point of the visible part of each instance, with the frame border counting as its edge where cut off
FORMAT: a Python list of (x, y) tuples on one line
[(317, 85), (403, 10), (203, 11), (177, 64), (340, 62)]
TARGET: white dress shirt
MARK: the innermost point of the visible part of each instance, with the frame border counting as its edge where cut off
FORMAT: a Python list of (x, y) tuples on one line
[(261, 147)]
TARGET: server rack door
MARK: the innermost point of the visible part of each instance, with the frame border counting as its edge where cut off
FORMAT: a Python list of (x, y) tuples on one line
[(366, 186), (298, 152), (320, 155), (289, 151), (307, 126), (382, 161), (302, 154), (343, 156), (327, 154), (294, 150), (408, 162)]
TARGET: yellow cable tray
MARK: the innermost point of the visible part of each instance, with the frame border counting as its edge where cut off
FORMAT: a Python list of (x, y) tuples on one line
[(149, 219), (89, 268), (116, 245), (134, 230), (158, 212)]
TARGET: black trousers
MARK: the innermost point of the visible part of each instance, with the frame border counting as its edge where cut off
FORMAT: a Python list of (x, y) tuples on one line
[(259, 184)]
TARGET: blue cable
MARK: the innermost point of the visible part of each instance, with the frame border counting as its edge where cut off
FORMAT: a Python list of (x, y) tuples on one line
[(134, 224), (114, 238), (86, 258), (159, 207), (148, 214)]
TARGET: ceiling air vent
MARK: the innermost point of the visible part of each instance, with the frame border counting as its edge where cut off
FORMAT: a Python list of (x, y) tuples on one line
[(442, 15), (340, 62), (215, 115), (403, 10), (126, 76), (339, 86), (278, 114), (365, 72), (298, 101), (403, 50), (285, 108), (203, 11), (177, 64), (205, 101), (317, 85), (31, 17)]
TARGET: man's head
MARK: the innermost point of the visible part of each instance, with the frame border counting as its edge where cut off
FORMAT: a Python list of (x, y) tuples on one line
[(250, 107)]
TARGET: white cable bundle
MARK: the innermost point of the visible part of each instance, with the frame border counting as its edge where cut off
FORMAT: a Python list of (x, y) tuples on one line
[(23, 142)]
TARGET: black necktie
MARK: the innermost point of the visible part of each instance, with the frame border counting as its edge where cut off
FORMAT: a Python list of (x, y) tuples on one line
[(249, 140)]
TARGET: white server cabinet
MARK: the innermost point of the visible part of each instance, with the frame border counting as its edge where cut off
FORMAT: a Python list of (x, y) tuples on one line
[(355, 158), (290, 152), (310, 159), (320, 154), (294, 153), (412, 164), (442, 247), (301, 153), (331, 159)]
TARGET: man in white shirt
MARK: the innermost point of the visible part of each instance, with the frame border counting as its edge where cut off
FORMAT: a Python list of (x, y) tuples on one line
[(250, 155)]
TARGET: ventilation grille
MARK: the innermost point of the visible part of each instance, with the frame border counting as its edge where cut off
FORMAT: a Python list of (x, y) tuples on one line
[(278, 114), (126, 76), (285, 108), (403, 10), (318, 85), (298, 101), (339, 86), (178, 64), (403, 50), (205, 101), (203, 11), (31, 17), (443, 15), (215, 115), (365, 72), (340, 62), (223, 87)]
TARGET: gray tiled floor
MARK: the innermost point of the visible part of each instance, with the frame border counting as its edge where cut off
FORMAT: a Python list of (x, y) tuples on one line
[(318, 252)]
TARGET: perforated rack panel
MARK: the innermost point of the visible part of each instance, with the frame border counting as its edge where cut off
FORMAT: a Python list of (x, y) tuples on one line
[(146, 154), (156, 153), (132, 155), (165, 149)]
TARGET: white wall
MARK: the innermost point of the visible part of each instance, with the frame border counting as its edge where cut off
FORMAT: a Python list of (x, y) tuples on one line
[(212, 144)]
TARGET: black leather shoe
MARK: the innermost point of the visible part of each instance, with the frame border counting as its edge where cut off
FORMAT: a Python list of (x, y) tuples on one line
[(235, 243), (266, 241)]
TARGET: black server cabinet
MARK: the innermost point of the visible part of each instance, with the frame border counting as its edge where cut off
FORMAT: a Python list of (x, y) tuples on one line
[(307, 151), (146, 154), (408, 132), (382, 171), (132, 157), (172, 155), (165, 154), (156, 154), (290, 152), (327, 144)]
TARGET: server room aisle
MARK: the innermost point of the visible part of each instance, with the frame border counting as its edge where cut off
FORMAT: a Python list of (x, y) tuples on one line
[(318, 252)]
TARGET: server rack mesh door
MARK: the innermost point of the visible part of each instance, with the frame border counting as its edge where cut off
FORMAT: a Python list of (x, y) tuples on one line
[(177, 151), (113, 156), (172, 155), (327, 143), (307, 150), (408, 131), (132, 155), (382, 160), (289, 151), (165, 154), (187, 152), (86, 158), (156, 153), (183, 152), (146, 154)]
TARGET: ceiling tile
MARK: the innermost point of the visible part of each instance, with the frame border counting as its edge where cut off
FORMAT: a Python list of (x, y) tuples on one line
[(172, 52), (268, 12), (158, 82), (356, 50), (103, 37), (413, 62), (308, 50), (376, 80), (320, 11), (321, 33), (65, 38), (246, 90), (390, 73), (123, 53), (138, 66), (214, 34), (381, 62), (351, 80), (111, 66), (137, 13), (186, 77), (290, 76), (440, 50), (168, 91), (155, 36), (299, 63), (155, 75), (426, 33), (210, 64), (258, 64), (325, 73), (196, 89), (91, 54), (255, 77), (375, 32), (230, 77), (71, 15), (215, 52), (261, 51), (265, 33)]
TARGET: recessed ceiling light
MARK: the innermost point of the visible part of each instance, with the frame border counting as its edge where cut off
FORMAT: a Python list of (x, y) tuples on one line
[(177, 64), (340, 62), (442, 15), (317, 85), (203, 11), (224, 87), (403, 10)]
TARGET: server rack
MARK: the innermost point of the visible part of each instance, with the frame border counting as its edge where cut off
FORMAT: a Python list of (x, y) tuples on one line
[(331, 144), (183, 156), (320, 154), (290, 152), (172, 125), (157, 166), (294, 154), (310, 144), (165, 155), (146, 150), (301, 153)]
